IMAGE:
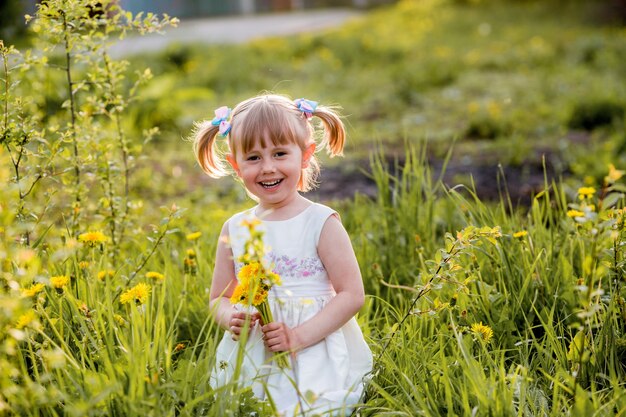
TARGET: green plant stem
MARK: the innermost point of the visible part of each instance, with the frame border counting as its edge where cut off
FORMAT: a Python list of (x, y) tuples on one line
[(70, 89), (123, 146), (425, 290), (145, 259), (110, 196), (268, 317), (6, 87)]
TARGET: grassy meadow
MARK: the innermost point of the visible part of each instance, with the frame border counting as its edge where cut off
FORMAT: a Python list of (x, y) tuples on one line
[(475, 306)]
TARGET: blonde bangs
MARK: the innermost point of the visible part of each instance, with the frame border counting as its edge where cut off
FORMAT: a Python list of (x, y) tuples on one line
[(269, 119)]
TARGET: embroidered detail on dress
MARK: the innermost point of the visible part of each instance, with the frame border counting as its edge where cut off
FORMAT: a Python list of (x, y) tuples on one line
[(292, 267), (296, 267)]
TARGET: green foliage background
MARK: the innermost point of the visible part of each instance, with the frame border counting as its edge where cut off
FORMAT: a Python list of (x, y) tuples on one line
[(95, 144)]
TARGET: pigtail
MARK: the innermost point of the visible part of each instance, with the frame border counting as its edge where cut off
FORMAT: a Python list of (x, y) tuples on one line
[(204, 137), (334, 131)]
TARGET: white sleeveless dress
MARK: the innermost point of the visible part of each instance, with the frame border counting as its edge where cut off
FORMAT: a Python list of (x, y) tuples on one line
[(324, 379)]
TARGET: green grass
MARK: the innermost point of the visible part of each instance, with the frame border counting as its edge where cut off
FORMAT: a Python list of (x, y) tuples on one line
[(438, 263), (428, 69), (554, 299)]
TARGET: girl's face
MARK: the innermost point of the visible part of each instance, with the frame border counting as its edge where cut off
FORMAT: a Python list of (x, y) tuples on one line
[(272, 173)]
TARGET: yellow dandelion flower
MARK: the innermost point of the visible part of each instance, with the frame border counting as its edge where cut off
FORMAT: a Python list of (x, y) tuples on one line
[(274, 278), (259, 297), (194, 235), (83, 264), (520, 234), (253, 282), (119, 320), (249, 270), (157, 276), (190, 266), (83, 308), (251, 223), (26, 319), (59, 282), (33, 290), (137, 294), (191, 253), (575, 213), (586, 192), (240, 293), (92, 239), (482, 330), (102, 275), (614, 175)]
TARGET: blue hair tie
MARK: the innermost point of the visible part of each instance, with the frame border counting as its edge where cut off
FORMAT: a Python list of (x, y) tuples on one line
[(221, 119), (307, 107)]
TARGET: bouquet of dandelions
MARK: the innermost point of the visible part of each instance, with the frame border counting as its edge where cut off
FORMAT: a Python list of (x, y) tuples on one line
[(255, 279)]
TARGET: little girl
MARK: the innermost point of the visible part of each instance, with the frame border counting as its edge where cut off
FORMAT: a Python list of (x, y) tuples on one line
[(269, 141)]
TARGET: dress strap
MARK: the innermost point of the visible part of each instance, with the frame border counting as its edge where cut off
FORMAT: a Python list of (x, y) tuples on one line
[(320, 214)]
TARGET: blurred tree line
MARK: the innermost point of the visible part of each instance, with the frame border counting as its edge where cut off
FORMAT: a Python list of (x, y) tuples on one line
[(12, 24)]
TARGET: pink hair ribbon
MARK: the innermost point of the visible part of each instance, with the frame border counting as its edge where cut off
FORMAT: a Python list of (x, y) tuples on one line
[(221, 119), (307, 107)]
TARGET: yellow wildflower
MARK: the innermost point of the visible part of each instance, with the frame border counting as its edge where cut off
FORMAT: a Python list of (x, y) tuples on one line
[(102, 275), (520, 234), (119, 320), (586, 192), (26, 319), (83, 264), (251, 223), (482, 330), (190, 266), (155, 276), (575, 213), (249, 270), (240, 293), (93, 239), (614, 175), (33, 290), (138, 294), (83, 308), (259, 296), (191, 253), (194, 235), (179, 347), (253, 281), (59, 282)]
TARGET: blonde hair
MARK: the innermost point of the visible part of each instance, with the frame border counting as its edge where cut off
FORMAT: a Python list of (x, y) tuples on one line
[(269, 117)]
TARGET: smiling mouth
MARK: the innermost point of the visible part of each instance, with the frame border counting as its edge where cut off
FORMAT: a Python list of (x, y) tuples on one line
[(270, 184)]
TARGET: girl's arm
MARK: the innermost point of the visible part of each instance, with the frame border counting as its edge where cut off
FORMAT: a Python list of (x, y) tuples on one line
[(337, 255), (222, 287)]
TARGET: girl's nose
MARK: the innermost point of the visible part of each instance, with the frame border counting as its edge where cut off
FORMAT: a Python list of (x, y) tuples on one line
[(268, 166)]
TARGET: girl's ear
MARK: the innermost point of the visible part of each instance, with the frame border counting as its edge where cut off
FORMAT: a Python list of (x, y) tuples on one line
[(307, 154), (233, 162)]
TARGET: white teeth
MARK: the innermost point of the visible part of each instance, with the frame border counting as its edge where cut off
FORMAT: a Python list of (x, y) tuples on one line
[(270, 184)]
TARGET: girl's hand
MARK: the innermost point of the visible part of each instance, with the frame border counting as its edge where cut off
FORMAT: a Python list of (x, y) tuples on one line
[(278, 337), (238, 320)]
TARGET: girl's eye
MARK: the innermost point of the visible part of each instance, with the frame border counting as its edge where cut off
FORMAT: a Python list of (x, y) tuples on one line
[(281, 153), (252, 158)]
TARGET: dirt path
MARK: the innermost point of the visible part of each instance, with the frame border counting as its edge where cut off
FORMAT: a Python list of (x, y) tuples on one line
[(236, 29), (492, 181)]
